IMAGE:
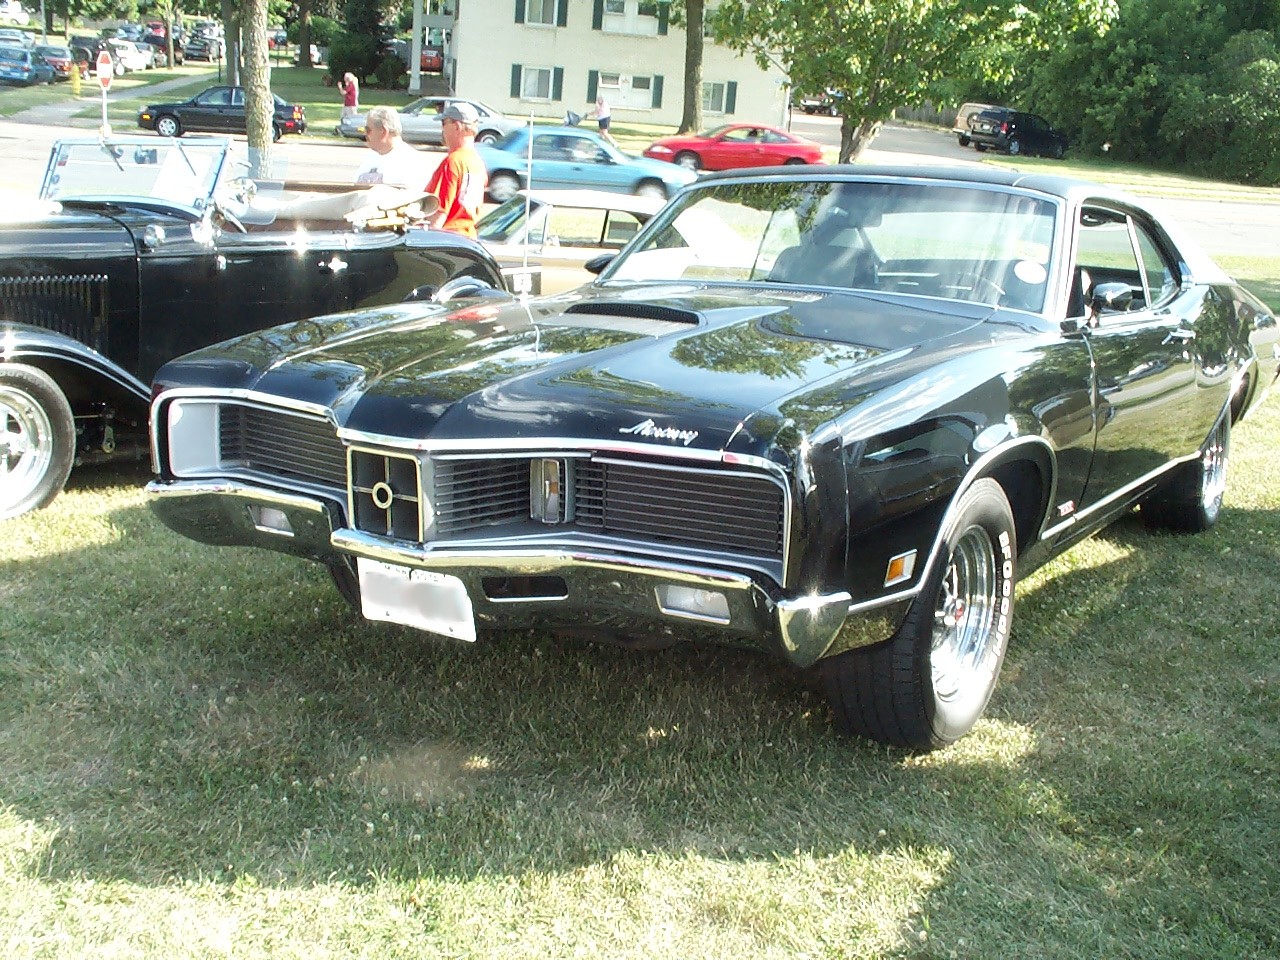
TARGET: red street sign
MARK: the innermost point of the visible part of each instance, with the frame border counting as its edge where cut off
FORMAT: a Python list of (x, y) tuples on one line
[(104, 71)]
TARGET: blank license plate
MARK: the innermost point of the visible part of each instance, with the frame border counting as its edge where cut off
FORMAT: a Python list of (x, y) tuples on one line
[(435, 602)]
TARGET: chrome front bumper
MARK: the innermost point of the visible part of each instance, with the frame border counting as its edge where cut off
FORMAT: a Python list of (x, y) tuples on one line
[(565, 587)]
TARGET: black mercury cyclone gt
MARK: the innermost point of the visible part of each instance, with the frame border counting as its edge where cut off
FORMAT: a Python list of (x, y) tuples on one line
[(833, 414), (142, 249)]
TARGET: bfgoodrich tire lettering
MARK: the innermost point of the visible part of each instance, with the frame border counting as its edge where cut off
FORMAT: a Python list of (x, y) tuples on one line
[(37, 439), (930, 682)]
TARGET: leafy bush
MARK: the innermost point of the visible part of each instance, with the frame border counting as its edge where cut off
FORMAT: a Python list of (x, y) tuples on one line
[(323, 31), (359, 55), (392, 72)]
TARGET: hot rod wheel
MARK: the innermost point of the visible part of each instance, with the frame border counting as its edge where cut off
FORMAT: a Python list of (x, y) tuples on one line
[(37, 439), (928, 684)]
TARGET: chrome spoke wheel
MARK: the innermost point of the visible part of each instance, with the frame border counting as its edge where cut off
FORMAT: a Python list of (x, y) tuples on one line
[(965, 617), (1213, 475), (26, 447)]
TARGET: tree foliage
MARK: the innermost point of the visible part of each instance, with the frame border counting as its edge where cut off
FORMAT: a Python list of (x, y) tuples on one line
[(883, 54)]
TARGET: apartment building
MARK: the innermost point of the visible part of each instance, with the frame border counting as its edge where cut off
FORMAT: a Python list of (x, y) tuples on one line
[(549, 57)]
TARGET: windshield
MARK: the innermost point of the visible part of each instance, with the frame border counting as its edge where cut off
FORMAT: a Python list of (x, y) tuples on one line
[(954, 241), (183, 174), (504, 222)]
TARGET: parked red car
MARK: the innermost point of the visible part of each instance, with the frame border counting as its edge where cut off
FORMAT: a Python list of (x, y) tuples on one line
[(736, 145), (60, 58)]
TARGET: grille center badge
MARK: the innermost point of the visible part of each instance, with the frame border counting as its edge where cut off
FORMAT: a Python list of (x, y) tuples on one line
[(647, 428), (382, 495)]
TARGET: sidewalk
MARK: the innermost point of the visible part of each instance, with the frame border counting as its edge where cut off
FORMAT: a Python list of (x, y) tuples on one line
[(63, 114)]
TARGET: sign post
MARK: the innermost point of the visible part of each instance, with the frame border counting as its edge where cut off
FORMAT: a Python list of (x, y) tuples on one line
[(104, 71)]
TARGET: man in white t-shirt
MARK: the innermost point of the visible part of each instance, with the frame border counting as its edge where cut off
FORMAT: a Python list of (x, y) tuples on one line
[(390, 159)]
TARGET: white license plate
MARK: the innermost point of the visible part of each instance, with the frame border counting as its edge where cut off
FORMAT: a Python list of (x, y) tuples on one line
[(435, 602)]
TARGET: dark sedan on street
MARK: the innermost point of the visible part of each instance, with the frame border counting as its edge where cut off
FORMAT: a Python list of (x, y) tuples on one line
[(216, 110), (830, 413)]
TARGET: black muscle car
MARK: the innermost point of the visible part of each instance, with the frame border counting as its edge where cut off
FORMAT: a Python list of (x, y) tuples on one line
[(832, 414), (142, 249)]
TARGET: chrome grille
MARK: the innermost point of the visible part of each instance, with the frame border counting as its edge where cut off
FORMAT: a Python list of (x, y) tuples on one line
[(471, 494), (386, 494), (282, 444), (75, 306)]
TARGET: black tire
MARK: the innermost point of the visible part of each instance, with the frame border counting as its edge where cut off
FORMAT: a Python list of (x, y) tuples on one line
[(488, 136), (980, 147), (930, 682), (1191, 500), (343, 572), (503, 185), (687, 159), (167, 125), (276, 132), (37, 439), (793, 162), (964, 141), (1015, 147), (651, 188), (1059, 151)]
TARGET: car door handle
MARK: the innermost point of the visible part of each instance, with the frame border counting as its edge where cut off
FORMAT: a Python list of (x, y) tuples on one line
[(334, 265), (1178, 335)]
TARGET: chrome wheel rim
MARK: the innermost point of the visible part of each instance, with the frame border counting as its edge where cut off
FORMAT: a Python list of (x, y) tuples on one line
[(503, 188), (1213, 468), (964, 621), (688, 161), (26, 447)]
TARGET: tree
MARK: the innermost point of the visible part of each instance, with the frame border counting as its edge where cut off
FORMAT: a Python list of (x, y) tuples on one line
[(694, 17), (259, 105), (882, 54)]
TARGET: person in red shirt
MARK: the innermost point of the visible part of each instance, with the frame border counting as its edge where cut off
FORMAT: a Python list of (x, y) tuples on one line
[(461, 179), (349, 87)]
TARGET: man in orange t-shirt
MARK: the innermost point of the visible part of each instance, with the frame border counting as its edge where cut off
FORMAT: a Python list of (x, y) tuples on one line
[(460, 180)]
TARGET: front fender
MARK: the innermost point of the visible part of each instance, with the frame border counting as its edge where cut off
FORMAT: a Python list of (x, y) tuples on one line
[(82, 373)]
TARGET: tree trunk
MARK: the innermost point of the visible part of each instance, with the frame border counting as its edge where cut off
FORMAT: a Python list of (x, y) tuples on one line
[(691, 122), (304, 33), (259, 105), (231, 38), (855, 136)]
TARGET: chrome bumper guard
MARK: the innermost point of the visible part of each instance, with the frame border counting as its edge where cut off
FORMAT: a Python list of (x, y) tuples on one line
[(600, 590)]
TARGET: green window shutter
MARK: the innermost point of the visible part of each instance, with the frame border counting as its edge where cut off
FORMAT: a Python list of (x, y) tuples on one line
[(657, 91), (664, 14), (562, 13), (557, 83), (515, 80), (731, 96), (593, 81), (519, 11), (597, 15)]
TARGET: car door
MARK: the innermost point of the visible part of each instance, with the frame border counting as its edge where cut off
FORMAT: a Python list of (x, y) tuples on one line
[(738, 147), (207, 110), (1149, 368), (234, 115), (422, 124)]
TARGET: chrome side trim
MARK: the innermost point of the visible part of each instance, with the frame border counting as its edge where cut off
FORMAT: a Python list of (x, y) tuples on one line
[(1128, 488)]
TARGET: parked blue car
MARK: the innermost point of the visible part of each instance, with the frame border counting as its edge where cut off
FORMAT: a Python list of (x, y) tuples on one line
[(569, 157), (22, 66)]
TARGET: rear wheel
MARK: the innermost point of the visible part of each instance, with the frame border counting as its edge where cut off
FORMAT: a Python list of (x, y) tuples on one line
[(980, 147), (793, 162), (488, 136), (1058, 151), (37, 439), (687, 159), (1015, 147), (1191, 500), (964, 141), (168, 126), (930, 682), (503, 186), (276, 132)]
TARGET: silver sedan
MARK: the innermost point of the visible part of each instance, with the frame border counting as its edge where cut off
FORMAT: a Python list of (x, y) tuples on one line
[(420, 121)]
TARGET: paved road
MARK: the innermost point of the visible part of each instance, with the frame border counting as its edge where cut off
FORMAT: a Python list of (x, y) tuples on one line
[(1221, 227)]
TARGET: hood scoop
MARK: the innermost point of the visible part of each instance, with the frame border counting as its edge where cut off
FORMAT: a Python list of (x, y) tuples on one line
[(638, 311)]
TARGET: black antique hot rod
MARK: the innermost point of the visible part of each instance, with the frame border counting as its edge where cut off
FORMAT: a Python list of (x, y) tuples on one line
[(140, 249), (832, 414)]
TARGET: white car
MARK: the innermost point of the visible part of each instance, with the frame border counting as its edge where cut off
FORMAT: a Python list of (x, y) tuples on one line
[(11, 12), (133, 56)]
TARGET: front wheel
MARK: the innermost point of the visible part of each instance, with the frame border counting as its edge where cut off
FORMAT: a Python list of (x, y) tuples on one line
[(687, 159), (503, 186), (793, 162), (651, 188), (168, 126), (964, 141), (37, 439), (928, 684), (1191, 500)]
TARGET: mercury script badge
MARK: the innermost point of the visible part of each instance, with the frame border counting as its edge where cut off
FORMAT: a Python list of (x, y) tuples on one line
[(647, 428)]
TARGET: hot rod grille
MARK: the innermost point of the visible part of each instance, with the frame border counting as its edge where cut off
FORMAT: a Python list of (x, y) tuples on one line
[(278, 443), (75, 306)]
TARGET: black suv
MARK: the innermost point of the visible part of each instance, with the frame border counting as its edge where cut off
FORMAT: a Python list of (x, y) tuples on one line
[(1015, 132)]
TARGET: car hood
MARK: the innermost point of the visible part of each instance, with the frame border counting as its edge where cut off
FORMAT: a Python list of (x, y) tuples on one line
[(686, 367)]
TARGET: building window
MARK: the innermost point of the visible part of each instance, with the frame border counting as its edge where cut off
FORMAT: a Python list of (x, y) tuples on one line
[(713, 98), (644, 18), (541, 11), (535, 83)]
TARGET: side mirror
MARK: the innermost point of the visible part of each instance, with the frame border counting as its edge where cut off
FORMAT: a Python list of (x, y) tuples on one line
[(597, 264), (1111, 297)]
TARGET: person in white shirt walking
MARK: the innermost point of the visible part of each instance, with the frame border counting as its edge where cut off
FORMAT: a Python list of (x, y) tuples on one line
[(602, 113)]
